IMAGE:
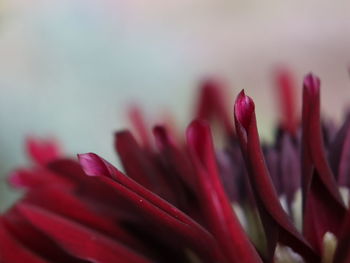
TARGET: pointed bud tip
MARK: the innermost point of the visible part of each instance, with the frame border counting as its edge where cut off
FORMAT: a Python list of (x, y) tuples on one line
[(243, 109), (312, 83), (90, 163)]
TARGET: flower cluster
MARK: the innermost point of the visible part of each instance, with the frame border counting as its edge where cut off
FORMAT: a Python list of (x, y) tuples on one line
[(185, 201)]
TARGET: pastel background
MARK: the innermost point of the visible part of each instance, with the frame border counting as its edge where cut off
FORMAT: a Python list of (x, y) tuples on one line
[(68, 68)]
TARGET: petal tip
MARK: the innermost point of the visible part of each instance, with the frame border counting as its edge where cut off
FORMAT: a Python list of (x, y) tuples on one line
[(243, 109), (312, 83), (90, 163)]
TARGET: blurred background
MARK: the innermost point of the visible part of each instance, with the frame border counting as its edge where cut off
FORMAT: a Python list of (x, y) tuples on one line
[(69, 68)]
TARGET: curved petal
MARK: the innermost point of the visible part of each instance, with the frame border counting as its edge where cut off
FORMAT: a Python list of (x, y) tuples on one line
[(222, 220), (12, 251), (78, 240), (276, 222), (154, 209), (323, 206)]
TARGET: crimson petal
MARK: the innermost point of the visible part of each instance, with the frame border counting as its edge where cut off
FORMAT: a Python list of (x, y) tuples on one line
[(13, 251), (78, 240), (221, 218), (66, 204), (212, 104), (320, 190), (38, 177), (276, 222), (139, 165), (154, 209), (286, 90)]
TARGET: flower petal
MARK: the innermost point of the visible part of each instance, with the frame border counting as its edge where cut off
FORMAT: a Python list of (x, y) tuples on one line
[(342, 252), (320, 190), (339, 154), (212, 104), (37, 177), (140, 166), (138, 122), (42, 151), (12, 251), (78, 240), (286, 91), (221, 218), (159, 213), (66, 204), (276, 222)]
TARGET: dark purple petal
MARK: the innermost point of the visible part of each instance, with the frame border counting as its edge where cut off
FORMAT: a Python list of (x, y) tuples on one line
[(342, 253), (289, 168), (339, 154)]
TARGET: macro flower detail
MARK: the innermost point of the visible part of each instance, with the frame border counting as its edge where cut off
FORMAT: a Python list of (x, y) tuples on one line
[(184, 199)]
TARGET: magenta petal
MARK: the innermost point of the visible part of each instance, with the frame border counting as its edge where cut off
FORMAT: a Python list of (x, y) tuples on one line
[(221, 218), (320, 190), (276, 222), (78, 240)]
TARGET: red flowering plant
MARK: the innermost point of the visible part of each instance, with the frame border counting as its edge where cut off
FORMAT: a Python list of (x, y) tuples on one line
[(187, 201)]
